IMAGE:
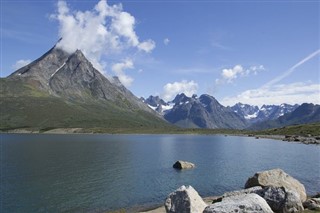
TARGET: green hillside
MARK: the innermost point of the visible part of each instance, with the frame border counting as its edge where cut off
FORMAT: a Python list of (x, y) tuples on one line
[(23, 106)]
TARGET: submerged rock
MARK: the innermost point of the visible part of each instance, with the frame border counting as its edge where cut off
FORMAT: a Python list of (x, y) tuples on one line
[(184, 200), (277, 178), (183, 165), (240, 204)]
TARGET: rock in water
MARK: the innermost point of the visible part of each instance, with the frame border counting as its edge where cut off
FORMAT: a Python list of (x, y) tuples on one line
[(183, 165), (184, 200), (240, 204), (277, 178)]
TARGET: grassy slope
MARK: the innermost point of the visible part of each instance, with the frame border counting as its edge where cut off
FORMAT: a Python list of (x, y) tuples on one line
[(22, 106), (302, 130)]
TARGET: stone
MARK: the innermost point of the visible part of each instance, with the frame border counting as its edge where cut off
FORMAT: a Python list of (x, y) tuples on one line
[(281, 200), (240, 204), (184, 200), (243, 191), (293, 202), (238, 192), (183, 165), (312, 204), (277, 178)]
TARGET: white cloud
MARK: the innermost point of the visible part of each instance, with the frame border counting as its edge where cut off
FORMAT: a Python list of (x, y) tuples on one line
[(105, 30), (147, 46), (229, 75), (170, 90), (295, 93), (119, 68), (20, 63), (166, 41)]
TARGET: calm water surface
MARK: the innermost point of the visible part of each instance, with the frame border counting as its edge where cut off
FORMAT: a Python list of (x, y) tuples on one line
[(97, 173)]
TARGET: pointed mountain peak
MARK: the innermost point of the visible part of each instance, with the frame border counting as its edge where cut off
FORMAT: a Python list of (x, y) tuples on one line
[(116, 81)]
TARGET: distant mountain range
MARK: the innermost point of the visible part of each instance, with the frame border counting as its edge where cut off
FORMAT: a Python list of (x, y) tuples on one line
[(62, 90), (254, 114), (207, 112), (194, 112)]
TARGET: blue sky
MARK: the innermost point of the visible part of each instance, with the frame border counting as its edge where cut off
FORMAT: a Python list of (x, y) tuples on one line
[(237, 51)]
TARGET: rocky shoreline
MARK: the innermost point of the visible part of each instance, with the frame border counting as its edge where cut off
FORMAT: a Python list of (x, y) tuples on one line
[(267, 191), (310, 139), (290, 138)]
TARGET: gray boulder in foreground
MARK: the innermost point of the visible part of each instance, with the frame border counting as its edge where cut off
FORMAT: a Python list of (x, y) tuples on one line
[(277, 178), (183, 165), (184, 200), (240, 204), (281, 200)]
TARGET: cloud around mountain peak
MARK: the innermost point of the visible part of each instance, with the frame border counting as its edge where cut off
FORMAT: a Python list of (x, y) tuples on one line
[(104, 30)]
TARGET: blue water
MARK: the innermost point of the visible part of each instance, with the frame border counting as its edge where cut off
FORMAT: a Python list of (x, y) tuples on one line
[(98, 173)]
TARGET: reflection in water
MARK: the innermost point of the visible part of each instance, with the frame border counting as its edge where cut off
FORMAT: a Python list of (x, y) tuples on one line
[(56, 173)]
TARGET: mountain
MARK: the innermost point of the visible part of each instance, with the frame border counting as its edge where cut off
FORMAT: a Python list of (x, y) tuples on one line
[(202, 112), (157, 104), (255, 114), (305, 113), (65, 90)]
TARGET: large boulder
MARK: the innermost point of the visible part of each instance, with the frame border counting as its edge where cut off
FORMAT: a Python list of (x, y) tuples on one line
[(242, 191), (238, 192), (184, 200), (240, 204), (277, 178), (183, 165), (281, 200)]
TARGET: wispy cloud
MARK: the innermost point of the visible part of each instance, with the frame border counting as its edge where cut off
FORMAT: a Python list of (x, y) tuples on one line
[(295, 93), (289, 71), (119, 70), (220, 46), (166, 41), (228, 75), (273, 93), (20, 63)]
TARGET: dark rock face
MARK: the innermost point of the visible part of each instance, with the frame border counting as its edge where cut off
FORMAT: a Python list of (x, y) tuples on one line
[(305, 113), (41, 69), (73, 77), (203, 112), (155, 101), (254, 114)]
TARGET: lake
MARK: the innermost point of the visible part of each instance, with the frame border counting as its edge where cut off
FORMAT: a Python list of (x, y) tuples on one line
[(98, 173)]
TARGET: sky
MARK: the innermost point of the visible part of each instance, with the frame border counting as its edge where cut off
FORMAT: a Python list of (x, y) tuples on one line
[(253, 52)]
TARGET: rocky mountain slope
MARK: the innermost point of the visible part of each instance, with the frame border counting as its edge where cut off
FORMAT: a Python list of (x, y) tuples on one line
[(207, 112), (65, 90), (255, 114), (305, 113), (202, 112)]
